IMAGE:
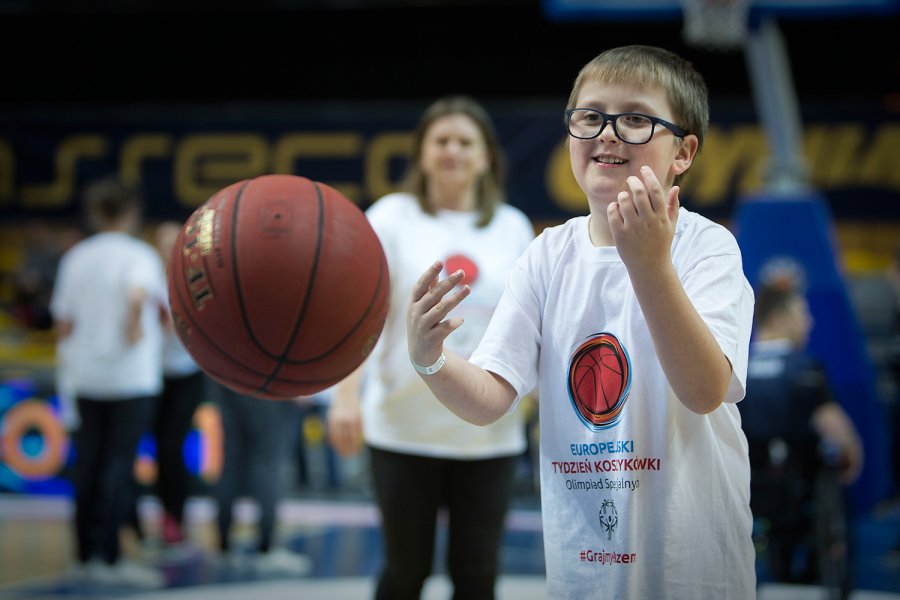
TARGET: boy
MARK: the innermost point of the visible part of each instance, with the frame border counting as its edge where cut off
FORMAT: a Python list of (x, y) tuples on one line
[(636, 322)]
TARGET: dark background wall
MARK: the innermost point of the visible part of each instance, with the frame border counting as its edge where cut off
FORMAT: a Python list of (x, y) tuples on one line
[(193, 51)]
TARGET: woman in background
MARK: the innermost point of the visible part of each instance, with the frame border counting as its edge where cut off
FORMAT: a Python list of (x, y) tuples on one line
[(423, 457)]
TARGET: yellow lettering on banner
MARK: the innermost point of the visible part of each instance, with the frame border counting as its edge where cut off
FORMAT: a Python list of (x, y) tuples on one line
[(725, 154), (139, 148), (708, 182), (292, 147), (70, 151), (383, 149), (832, 154), (561, 185), (881, 164), (206, 163), (7, 171), (733, 163), (751, 168)]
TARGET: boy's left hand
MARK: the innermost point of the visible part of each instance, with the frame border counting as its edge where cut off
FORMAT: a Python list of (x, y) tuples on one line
[(642, 220), (427, 324)]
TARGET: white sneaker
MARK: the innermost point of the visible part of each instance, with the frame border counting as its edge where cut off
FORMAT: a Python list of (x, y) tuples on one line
[(137, 575), (281, 561), (100, 572), (77, 573), (232, 561)]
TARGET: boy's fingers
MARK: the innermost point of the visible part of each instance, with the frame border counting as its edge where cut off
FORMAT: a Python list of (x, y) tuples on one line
[(614, 212), (428, 290), (426, 280), (446, 304), (652, 187), (673, 202), (625, 205), (638, 195), (626, 198), (435, 296)]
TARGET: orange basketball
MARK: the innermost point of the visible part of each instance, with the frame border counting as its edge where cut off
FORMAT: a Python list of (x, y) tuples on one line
[(600, 380), (278, 286)]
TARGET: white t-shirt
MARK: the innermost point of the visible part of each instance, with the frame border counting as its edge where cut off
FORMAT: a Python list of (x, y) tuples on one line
[(642, 498), (91, 291), (399, 411), (177, 361)]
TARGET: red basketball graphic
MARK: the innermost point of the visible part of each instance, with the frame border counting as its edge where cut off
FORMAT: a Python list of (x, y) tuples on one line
[(599, 380), (458, 261)]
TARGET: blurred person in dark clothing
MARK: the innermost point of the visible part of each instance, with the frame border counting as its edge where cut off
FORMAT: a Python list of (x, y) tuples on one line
[(185, 387), (793, 423)]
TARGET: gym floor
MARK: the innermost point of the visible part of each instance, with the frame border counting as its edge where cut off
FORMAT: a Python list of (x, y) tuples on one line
[(341, 537)]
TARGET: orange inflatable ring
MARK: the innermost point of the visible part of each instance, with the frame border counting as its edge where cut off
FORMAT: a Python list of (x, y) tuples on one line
[(23, 418)]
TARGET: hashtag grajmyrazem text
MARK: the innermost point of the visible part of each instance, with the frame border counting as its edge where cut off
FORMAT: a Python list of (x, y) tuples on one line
[(604, 557)]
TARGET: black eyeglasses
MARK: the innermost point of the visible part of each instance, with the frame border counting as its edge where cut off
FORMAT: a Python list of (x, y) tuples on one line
[(631, 128)]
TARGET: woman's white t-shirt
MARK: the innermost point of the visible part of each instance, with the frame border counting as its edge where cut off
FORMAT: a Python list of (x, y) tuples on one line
[(399, 411)]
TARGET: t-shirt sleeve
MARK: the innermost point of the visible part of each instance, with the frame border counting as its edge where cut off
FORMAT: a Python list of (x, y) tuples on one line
[(724, 299), (59, 308), (510, 346), (149, 275)]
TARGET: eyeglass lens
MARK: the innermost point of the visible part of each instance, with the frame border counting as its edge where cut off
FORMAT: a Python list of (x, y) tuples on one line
[(629, 127)]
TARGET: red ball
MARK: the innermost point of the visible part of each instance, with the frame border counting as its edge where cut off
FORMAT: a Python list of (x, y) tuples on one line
[(278, 286)]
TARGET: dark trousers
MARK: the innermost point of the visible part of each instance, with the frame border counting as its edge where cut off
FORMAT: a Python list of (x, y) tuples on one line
[(105, 449), (410, 490), (174, 419), (255, 431)]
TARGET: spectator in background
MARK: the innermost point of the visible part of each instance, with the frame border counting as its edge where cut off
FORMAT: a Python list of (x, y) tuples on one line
[(185, 387), (106, 306), (314, 456), (793, 424), (34, 276), (64, 379), (423, 457), (255, 458)]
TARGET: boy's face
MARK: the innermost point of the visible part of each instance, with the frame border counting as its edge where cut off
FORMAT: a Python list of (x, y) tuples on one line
[(602, 164)]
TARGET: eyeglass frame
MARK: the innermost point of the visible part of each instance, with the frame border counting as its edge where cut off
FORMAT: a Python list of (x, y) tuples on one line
[(612, 118)]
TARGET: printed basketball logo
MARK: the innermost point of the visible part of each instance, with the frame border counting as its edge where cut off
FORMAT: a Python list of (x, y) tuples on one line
[(599, 381), (458, 261)]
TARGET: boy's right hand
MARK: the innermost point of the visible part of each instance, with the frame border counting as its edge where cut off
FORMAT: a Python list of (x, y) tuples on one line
[(426, 324)]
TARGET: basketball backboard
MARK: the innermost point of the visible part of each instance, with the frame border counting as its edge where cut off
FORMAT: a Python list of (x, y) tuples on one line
[(717, 25), (673, 9)]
